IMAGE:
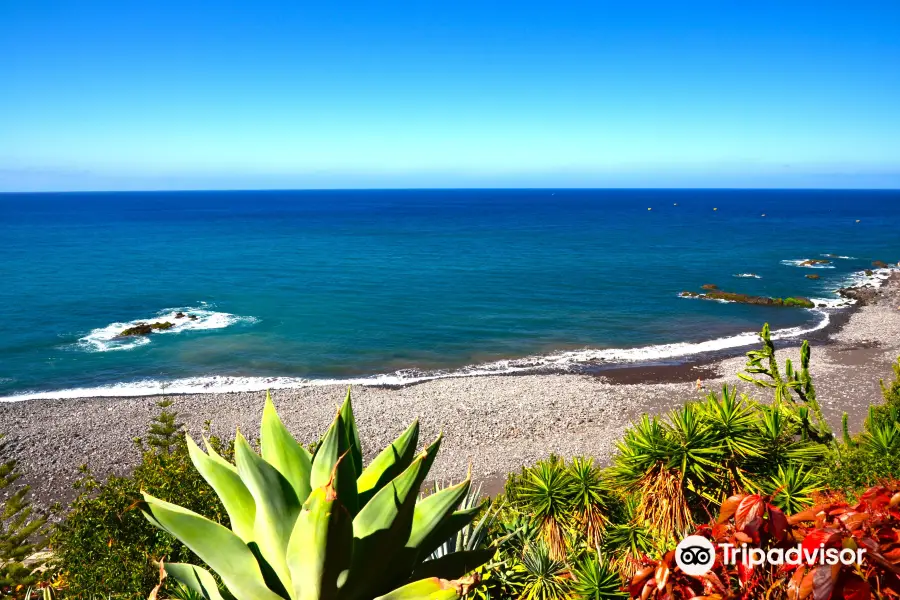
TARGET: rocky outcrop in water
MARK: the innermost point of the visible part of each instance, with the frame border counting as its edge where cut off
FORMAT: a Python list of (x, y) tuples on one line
[(812, 276), (863, 294), (812, 262), (146, 328), (716, 294)]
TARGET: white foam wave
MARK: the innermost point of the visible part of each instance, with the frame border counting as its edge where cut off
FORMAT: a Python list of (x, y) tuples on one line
[(106, 339), (560, 361), (875, 280), (748, 275), (836, 256), (799, 263)]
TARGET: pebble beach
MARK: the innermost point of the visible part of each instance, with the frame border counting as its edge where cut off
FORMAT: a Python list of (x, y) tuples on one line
[(491, 425)]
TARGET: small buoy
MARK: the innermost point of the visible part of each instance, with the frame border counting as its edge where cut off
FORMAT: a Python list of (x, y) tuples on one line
[(715, 209), (764, 214), (649, 209), (676, 204), (857, 220)]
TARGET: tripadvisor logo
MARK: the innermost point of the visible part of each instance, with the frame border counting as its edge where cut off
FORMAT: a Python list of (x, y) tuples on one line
[(695, 555)]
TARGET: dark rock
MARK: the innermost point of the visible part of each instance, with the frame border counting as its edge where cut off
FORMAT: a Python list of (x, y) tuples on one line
[(815, 261), (812, 276), (879, 264), (709, 286), (870, 272), (748, 299), (146, 328), (193, 317), (179, 315), (863, 295)]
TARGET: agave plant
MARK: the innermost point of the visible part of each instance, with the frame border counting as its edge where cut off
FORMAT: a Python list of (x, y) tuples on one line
[(474, 535), (307, 527), (546, 578)]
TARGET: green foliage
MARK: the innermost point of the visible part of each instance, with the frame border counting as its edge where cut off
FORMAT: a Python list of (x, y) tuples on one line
[(306, 526), (104, 546), (764, 362), (165, 432), (792, 488), (873, 455), (594, 580), (20, 527)]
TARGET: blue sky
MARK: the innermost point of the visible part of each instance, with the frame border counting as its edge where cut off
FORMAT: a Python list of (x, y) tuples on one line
[(157, 95)]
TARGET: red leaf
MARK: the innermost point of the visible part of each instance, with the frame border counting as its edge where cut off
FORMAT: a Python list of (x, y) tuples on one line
[(749, 508), (823, 583), (778, 521), (817, 538), (856, 588), (729, 507)]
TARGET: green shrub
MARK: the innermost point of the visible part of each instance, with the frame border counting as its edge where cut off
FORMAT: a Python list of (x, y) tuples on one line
[(105, 546), (21, 528)]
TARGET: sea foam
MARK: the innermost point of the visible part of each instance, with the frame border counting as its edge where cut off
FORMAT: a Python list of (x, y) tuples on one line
[(106, 339), (799, 263), (568, 361)]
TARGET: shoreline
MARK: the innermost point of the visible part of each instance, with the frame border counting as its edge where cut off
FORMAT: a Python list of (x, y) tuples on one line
[(494, 424), (577, 361)]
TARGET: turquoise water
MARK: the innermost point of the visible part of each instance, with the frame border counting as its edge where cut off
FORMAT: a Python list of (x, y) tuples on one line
[(348, 285)]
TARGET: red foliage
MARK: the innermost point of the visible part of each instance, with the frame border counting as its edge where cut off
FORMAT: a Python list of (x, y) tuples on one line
[(872, 524)]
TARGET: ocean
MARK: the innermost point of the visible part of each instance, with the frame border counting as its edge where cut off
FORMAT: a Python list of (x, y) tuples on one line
[(291, 288)]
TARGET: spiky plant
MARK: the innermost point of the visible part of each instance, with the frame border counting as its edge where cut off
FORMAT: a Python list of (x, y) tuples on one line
[(544, 494), (305, 527), (882, 439), (733, 420), (589, 497), (764, 362), (474, 535), (629, 540), (546, 578), (793, 488), (595, 580)]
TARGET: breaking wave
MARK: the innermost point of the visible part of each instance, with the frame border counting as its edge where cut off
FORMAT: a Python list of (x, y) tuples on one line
[(107, 339)]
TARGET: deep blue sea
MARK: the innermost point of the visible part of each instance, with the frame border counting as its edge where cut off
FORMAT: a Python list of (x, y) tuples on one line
[(391, 286)]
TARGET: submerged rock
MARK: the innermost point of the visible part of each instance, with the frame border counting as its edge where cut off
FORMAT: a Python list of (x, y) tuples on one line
[(179, 315), (815, 261), (709, 286), (812, 276), (879, 264), (146, 328)]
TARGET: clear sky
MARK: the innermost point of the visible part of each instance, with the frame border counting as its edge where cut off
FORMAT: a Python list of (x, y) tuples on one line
[(254, 94)]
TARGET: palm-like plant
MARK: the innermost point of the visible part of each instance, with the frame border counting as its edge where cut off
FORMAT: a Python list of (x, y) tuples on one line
[(589, 499), (306, 526), (545, 495), (733, 420), (882, 439), (793, 487), (594, 580), (546, 578), (667, 464)]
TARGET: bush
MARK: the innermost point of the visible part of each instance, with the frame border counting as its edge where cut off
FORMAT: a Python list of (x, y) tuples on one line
[(21, 529), (105, 546)]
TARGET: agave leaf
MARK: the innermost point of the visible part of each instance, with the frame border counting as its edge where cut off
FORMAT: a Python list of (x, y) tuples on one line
[(392, 461), (448, 528), (279, 448), (277, 507), (196, 579), (333, 446), (381, 530), (352, 434), (427, 589), (224, 479), (216, 545), (434, 510), (453, 565), (320, 547)]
